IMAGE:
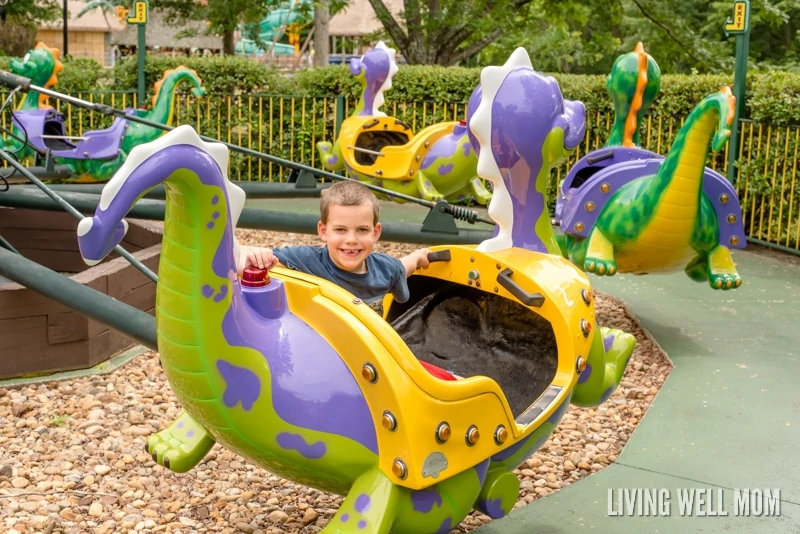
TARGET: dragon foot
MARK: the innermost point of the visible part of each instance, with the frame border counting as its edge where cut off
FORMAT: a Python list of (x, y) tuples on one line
[(499, 493), (609, 356), (479, 192), (181, 445), (369, 508), (722, 270), (600, 255), (330, 156), (426, 189)]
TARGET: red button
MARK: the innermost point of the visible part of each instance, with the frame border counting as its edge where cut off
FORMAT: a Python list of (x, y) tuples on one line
[(255, 277)]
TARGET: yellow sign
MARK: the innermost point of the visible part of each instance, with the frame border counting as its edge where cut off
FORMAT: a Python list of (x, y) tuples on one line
[(739, 22), (139, 13)]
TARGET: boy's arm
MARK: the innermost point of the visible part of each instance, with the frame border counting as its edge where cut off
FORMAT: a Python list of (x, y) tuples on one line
[(416, 260)]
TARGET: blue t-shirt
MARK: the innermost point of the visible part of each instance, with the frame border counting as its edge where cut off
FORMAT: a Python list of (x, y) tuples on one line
[(385, 274)]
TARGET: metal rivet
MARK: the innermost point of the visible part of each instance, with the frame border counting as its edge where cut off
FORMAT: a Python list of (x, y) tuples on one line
[(427, 144), (734, 240), (497, 290), (411, 172), (356, 300), (605, 188), (580, 364), (724, 198), (477, 283), (587, 296), (399, 469), (589, 206), (731, 218), (499, 266), (443, 432), (379, 172), (579, 226), (469, 282), (389, 421), (472, 259), (500, 435), (586, 327), (369, 373), (473, 435), (418, 157)]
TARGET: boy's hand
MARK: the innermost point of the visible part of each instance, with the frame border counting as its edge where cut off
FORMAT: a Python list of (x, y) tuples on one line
[(258, 257), (416, 260), (422, 258)]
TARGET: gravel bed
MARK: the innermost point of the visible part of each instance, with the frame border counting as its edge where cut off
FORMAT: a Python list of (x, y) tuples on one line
[(72, 456)]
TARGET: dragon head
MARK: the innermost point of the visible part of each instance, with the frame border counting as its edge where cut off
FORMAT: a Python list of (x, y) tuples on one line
[(42, 66), (521, 126), (513, 112), (375, 70)]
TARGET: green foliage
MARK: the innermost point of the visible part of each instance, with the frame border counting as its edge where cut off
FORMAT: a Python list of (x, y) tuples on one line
[(220, 75), (775, 98), (80, 74)]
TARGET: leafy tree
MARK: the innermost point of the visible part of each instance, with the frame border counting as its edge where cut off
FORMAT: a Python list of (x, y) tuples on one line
[(445, 32), (223, 16), (19, 21)]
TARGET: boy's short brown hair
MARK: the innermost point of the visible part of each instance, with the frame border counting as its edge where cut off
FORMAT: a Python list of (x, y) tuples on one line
[(347, 193)]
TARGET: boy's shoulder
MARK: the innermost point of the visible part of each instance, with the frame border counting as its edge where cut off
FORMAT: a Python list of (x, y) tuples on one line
[(385, 262)]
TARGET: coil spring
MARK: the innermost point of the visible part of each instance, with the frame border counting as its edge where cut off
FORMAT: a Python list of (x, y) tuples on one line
[(460, 212)]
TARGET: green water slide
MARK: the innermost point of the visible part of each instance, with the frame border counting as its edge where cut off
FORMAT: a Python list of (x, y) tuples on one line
[(275, 24)]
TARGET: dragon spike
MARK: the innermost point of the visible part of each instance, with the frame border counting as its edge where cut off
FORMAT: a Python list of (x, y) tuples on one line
[(387, 83), (480, 124), (726, 99), (726, 90)]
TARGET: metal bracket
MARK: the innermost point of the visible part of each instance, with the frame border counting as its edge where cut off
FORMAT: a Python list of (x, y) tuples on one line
[(438, 220), (303, 179)]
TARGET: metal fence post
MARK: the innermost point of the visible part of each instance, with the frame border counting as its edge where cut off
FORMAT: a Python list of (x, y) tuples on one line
[(738, 25)]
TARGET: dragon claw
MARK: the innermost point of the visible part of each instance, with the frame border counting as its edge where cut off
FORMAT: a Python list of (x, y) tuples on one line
[(725, 281), (600, 267), (181, 445)]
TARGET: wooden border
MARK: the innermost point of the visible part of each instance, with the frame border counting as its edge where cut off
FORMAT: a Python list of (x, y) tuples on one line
[(40, 336)]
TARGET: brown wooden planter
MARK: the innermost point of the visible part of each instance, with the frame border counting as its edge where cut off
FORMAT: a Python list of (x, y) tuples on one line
[(40, 336)]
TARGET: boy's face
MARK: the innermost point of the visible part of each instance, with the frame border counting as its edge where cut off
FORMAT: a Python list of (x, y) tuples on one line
[(350, 236)]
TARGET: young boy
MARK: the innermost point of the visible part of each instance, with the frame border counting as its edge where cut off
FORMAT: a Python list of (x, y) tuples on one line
[(349, 228)]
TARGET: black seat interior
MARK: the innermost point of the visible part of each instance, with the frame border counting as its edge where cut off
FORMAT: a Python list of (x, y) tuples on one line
[(584, 174), (376, 140), (470, 332), (54, 125)]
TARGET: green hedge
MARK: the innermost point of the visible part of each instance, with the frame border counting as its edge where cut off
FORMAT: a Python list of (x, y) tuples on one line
[(772, 96)]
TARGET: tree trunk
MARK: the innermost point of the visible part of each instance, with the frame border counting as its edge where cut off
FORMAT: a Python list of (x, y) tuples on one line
[(322, 18), (228, 43)]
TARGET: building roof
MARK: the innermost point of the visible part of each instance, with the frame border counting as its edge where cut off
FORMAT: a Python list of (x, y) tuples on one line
[(92, 21), (160, 34), (358, 18)]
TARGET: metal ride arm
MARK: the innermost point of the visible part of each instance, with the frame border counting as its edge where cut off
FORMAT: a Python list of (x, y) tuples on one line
[(13, 80)]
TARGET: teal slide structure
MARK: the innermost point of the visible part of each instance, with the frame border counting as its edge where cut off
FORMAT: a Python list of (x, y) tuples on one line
[(276, 23)]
